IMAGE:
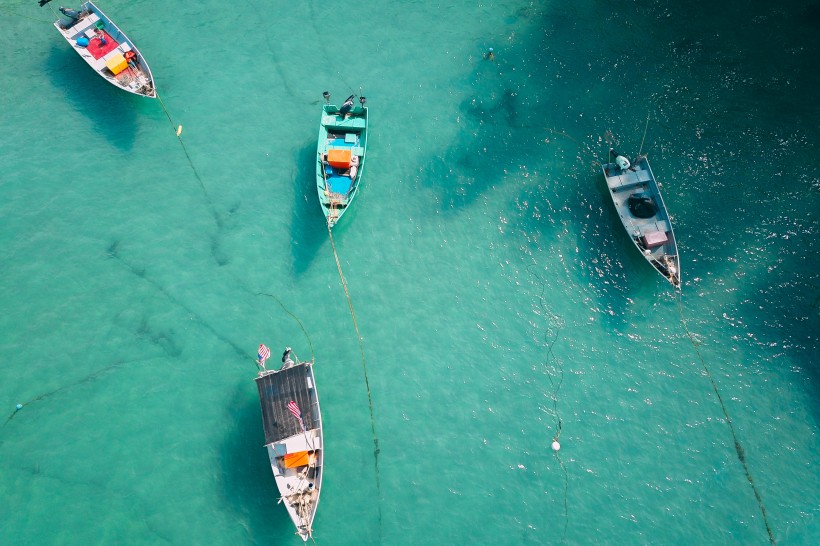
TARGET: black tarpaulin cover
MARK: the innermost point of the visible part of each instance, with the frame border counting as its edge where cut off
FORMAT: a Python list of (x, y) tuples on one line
[(276, 390)]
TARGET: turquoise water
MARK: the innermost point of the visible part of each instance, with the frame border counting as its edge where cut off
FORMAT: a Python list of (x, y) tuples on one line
[(493, 288)]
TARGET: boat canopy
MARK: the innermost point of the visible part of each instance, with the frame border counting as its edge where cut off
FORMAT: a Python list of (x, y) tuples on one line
[(276, 390)]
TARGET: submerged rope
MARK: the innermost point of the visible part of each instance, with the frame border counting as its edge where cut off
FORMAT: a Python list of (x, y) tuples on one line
[(364, 368), (90, 377), (556, 387), (741, 456), (282, 305), (178, 131)]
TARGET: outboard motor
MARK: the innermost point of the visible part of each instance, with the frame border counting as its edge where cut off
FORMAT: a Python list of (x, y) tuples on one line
[(622, 162), (641, 205), (347, 106), (286, 359)]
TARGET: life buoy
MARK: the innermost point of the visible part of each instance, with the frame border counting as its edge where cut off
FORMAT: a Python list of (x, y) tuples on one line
[(129, 55)]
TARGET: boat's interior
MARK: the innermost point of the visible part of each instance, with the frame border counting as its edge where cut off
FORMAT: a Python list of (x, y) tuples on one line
[(341, 161), (653, 228), (104, 49), (297, 459), (297, 468), (642, 214), (298, 471)]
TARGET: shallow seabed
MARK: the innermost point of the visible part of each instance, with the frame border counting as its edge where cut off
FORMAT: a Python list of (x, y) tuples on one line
[(496, 294)]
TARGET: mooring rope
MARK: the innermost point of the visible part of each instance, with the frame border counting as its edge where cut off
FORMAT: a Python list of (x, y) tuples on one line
[(178, 131), (55, 391), (282, 305), (90, 377), (645, 129), (364, 367), (741, 456), (556, 386)]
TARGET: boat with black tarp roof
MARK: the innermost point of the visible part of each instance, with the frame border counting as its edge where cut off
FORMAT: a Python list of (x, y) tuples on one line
[(293, 434)]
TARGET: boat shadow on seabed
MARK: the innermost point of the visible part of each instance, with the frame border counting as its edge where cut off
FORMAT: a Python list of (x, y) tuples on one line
[(616, 271), (308, 227), (112, 113), (248, 487)]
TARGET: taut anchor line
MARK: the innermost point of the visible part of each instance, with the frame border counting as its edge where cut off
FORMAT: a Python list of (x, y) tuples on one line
[(741, 456), (364, 368), (178, 132)]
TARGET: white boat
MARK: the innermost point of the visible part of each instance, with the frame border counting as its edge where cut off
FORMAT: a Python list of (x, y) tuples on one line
[(293, 435), (106, 49), (638, 200)]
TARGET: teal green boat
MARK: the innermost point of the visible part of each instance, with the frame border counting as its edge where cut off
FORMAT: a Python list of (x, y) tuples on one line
[(340, 156)]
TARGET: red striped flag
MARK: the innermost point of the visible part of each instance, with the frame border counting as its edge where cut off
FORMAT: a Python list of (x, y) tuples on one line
[(294, 409), (264, 353)]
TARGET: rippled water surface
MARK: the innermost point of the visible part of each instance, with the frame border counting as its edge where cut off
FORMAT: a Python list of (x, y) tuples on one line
[(499, 302)]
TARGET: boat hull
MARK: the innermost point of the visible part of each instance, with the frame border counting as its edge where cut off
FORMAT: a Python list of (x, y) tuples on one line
[(340, 159), (118, 60), (638, 201), (294, 444)]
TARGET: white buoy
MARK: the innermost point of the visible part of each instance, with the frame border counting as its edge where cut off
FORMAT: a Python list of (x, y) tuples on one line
[(555, 445), (19, 407)]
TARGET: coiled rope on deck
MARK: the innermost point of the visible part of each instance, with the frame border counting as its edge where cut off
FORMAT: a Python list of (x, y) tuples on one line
[(741, 456), (364, 366)]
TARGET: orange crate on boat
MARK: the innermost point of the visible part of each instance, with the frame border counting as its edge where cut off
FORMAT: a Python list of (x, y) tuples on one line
[(295, 460), (339, 158)]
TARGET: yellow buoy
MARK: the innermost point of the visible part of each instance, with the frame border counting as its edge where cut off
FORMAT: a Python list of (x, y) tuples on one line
[(179, 130)]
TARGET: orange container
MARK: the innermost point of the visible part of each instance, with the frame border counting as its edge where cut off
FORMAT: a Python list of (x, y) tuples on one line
[(295, 460), (339, 158)]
